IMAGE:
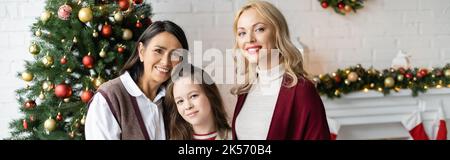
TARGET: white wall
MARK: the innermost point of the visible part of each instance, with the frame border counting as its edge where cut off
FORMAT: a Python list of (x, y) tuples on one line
[(371, 37)]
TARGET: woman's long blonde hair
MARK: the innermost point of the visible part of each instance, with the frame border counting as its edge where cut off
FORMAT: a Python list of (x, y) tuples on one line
[(290, 57)]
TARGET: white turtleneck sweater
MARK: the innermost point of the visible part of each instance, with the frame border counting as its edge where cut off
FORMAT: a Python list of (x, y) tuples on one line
[(254, 119)]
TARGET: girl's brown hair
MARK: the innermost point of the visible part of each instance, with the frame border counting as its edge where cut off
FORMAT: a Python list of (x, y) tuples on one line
[(179, 129)]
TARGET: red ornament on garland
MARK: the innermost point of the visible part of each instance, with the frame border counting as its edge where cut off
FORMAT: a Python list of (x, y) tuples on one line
[(59, 117), (63, 90), (401, 70), (324, 4), (63, 60), (137, 1), (106, 30), (124, 5), (409, 75), (337, 79), (341, 5), (86, 96), (25, 124), (422, 73), (138, 24), (88, 61), (29, 104)]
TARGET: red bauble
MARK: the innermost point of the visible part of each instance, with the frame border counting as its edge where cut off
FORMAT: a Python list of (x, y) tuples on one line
[(88, 61), (423, 73), (401, 70), (63, 90), (63, 60), (106, 30), (137, 1), (59, 117), (138, 24), (86, 96), (124, 5), (341, 5), (29, 104), (409, 75), (25, 124), (120, 49), (324, 4), (337, 79)]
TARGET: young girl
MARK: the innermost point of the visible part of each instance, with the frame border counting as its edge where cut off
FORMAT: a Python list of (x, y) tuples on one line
[(130, 106), (196, 107), (276, 101)]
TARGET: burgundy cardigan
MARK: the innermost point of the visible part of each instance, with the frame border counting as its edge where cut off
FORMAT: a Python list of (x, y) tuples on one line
[(299, 113)]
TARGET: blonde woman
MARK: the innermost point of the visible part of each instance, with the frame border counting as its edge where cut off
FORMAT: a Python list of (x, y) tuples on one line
[(276, 100)]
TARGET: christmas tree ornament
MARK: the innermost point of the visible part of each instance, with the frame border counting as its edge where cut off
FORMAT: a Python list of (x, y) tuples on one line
[(83, 120), (337, 92), (45, 16), (63, 60), (50, 124), (47, 60), (120, 49), (63, 90), (69, 70), (64, 12), (124, 5), (138, 24), (42, 96), (27, 76), (59, 117), (47, 85), (352, 77), (422, 73), (347, 82), (29, 104), (38, 33), (85, 15), (75, 40), (34, 49), (63, 40), (341, 5), (337, 79), (102, 53), (389, 82), (127, 34), (98, 81), (106, 30), (25, 124), (118, 17), (88, 61), (316, 80), (72, 134), (86, 95), (95, 34), (409, 75), (138, 1), (66, 100)]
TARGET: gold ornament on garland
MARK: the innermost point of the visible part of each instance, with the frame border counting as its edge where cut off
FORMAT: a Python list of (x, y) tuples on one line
[(34, 49), (352, 77), (47, 60), (85, 15), (27, 76), (389, 82)]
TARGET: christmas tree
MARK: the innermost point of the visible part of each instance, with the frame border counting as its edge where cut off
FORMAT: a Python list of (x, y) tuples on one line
[(77, 46)]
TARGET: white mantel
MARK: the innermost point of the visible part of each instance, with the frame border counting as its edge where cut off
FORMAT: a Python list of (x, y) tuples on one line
[(371, 115)]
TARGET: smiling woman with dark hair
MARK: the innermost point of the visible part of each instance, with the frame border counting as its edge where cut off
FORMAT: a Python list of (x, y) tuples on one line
[(130, 106)]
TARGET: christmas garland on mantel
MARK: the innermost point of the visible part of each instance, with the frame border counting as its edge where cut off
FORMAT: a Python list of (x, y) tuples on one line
[(356, 78)]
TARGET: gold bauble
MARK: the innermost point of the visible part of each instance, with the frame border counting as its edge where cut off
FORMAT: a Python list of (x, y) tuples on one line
[(95, 34), (347, 82), (47, 60), (27, 76), (66, 100), (83, 120), (447, 73), (102, 53), (85, 15), (34, 49), (118, 17), (72, 135), (38, 33), (45, 16), (389, 82), (352, 77), (348, 8), (400, 77), (69, 70), (75, 40), (98, 81), (47, 85), (42, 96), (50, 124), (127, 34)]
